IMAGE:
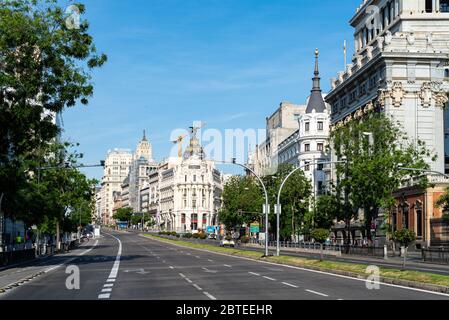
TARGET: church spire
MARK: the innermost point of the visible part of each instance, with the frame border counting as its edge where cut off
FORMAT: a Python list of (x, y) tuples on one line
[(316, 101), (144, 135)]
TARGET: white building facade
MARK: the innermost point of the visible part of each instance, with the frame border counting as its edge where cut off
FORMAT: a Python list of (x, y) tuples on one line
[(189, 192), (312, 138), (400, 67), (116, 170)]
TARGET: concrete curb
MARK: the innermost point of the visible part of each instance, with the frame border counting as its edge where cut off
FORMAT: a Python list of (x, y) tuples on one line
[(385, 280)]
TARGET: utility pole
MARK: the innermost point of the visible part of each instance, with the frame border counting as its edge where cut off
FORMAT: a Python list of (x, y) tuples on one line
[(347, 209), (1, 220)]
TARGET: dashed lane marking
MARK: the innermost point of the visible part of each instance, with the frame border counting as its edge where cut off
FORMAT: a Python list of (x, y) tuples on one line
[(198, 287), (268, 278), (209, 295), (290, 285), (318, 293), (254, 274), (104, 296)]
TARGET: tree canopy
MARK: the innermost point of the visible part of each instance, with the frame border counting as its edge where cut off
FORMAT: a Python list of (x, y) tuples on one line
[(45, 67), (373, 171)]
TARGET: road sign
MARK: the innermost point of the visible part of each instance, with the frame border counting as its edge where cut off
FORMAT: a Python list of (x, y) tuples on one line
[(254, 228)]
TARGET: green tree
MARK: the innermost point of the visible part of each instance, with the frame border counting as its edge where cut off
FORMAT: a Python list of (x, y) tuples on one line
[(146, 217), (123, 215), (372, 173), (242, 202), (328, 208), (405, 237), (320, 236), (45, 66), (295, 200)]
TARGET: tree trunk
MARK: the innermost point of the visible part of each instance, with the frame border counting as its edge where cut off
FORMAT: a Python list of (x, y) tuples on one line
[(405, 258), (58, 245), (321, 252)]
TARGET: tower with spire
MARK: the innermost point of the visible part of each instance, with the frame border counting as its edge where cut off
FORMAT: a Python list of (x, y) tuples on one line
[(314, 132), (316, 101), (144, 149)]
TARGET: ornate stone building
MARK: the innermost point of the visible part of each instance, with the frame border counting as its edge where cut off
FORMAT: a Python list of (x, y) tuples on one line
[(139, 171), (116, 170), (309, 143), (400, 67), (189, 191)]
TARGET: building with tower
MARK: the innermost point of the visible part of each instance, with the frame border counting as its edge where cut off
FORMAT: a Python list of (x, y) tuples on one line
[(298, 135), (188, 191), (401, 67), (140, 168)]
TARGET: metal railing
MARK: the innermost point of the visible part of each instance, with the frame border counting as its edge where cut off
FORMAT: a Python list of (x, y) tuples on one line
[(435, 255), (352, 250)]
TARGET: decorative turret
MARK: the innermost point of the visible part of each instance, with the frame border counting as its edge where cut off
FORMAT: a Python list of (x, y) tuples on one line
[(316, 101)]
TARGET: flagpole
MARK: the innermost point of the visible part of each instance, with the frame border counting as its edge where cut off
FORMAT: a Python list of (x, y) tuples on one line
[(345, 55)]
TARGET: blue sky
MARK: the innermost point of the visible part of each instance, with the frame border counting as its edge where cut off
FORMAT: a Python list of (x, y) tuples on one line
[(228, 63)]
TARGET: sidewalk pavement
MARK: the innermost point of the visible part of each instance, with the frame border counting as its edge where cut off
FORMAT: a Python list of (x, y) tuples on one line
[(17, 274)]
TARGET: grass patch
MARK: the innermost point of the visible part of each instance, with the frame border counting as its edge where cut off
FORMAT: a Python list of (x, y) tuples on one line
[(359, 269)]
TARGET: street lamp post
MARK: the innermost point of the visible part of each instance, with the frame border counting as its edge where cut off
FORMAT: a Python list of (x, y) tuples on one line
[(266, 207), (278, 208), (1, 220), (424, 171)]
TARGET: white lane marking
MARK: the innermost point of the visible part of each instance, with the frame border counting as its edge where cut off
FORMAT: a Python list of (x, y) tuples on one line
[(163, 261), (317, 293), (210, 260), (72, 259), (290, 285), (182, 275), (188, 280), (254, 274), (197, 257), (114, 271), (340, 300), (171, 267), (310, 270), (116, 266), (268, 278), (198, 287), (209, 295), (108, 285), (227, 266)]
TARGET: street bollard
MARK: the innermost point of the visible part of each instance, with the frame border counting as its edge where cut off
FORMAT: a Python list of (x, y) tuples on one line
[(385, 252)]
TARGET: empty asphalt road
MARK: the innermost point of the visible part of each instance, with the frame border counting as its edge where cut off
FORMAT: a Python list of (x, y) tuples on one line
[(126, 266)]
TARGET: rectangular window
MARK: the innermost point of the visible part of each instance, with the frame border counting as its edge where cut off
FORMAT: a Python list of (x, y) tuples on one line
[(204, 219), (429, 6), (320, 147), (320, 126), (444, 5), (320, 167), (307, 126), (307, 166), (307, 147), (185, 178), (194, 178)]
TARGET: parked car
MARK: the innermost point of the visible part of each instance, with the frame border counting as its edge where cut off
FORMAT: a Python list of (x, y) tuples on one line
[(227, 243)]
